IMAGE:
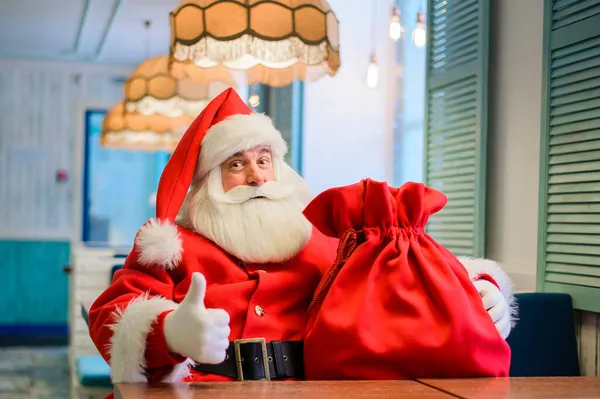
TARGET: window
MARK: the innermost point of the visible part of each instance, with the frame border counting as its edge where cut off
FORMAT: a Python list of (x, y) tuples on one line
[(284, 105), (441, 115), (456, 120), (569, 230), (118, 188), (409, 107)]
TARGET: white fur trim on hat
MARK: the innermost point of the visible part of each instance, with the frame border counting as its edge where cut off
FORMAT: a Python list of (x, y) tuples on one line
[(477, 266), (238, 133), (158, 243), (128, 342)]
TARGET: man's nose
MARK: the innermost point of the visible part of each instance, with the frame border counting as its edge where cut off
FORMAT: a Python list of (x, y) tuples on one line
[(255, 177)]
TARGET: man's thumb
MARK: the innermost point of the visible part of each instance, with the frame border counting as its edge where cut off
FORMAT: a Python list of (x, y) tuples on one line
[(197, 290)]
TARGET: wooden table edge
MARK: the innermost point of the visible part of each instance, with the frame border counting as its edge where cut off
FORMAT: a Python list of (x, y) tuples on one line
[(117, 394)]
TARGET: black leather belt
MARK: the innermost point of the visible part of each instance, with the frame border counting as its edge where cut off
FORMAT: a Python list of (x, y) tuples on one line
[(255, 359)]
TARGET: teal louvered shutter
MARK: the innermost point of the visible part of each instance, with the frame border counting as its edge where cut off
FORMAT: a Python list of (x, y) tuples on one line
[(280, 109), (280, 104), (569, 233), (285, 106), (456, 120)]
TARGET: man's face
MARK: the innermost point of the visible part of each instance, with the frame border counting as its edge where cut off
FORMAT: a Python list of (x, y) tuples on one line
[(243, 209), (253, 167)]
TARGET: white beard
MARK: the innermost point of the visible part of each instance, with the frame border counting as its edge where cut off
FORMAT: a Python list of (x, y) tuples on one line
[(249, 227)]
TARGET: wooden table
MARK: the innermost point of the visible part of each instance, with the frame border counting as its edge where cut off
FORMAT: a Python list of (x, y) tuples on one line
[(286, 389), (479, 388), (519, 388)]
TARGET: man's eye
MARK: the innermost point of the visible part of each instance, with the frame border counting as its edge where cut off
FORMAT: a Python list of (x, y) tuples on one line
[(236, 164), (264, 161)]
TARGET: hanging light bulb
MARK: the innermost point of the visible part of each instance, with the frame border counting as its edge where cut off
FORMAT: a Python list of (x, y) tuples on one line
[(372, 73), (254, 100), (420, 33), (395, 27)]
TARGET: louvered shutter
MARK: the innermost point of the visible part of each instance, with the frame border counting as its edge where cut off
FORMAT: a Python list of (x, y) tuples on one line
[(280, 109), (456, 115), (569, 250), (285, 108)]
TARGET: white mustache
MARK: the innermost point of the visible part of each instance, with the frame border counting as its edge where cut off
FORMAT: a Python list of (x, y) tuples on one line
[(271, 190)]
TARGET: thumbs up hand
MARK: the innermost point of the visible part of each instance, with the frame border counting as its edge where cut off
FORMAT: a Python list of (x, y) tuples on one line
[(193, 331)]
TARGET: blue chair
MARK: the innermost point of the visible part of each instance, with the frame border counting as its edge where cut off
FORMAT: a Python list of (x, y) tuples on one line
[(85, 314), (544, 343), (84, 311), (93, 371), (115, 268)]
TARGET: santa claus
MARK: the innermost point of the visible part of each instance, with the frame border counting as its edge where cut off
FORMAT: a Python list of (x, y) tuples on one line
[(217, 286)]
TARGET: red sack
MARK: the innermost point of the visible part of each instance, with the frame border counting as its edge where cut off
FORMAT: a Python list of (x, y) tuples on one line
[(395, 304)]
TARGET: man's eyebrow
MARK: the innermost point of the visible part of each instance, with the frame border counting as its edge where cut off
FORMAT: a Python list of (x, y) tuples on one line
[(264, 150)]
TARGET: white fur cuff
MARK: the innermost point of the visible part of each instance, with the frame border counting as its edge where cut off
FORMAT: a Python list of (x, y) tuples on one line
[(128, 343), (477, 266), (158, 243)]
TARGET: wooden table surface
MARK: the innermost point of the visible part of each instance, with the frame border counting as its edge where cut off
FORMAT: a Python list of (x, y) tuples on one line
[(477, 388), (520, 388), (286, 389)]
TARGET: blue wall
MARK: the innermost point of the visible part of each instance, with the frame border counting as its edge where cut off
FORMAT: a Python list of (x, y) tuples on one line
[(34, 292)]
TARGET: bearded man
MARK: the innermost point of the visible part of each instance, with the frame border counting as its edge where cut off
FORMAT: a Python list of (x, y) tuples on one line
[(217, 287)]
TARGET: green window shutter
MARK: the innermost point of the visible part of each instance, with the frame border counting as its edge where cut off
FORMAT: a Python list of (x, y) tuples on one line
[(285, 106), (569, 238), (456, 120)]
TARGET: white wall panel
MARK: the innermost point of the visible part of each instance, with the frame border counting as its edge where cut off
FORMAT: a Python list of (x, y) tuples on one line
[(38, 106)]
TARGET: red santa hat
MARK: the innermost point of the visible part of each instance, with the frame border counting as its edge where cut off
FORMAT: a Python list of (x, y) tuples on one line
[(225, 127)]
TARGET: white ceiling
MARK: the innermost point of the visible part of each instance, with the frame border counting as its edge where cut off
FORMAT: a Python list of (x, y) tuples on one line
[(107, 31)]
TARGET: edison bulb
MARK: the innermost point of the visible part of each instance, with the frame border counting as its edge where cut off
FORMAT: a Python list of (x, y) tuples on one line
[(372, 73), (420, 33), (395, 27), (254, 101)]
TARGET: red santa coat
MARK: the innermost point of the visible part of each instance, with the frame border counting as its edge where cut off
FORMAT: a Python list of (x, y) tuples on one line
[(263, 300)]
